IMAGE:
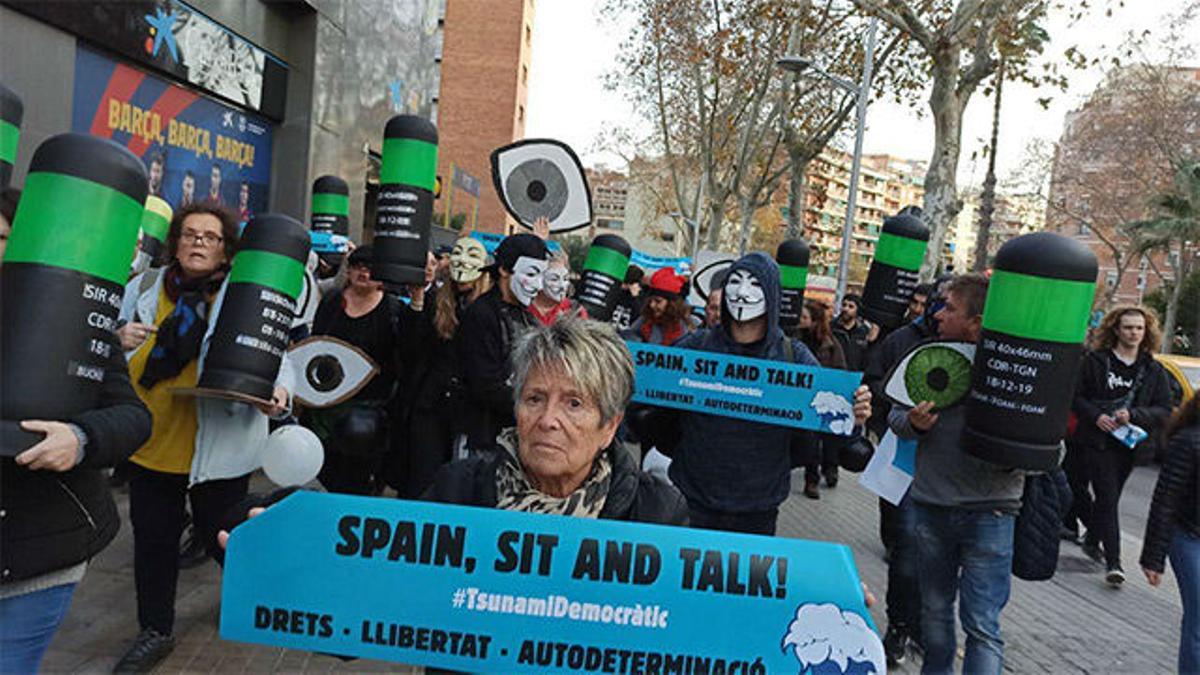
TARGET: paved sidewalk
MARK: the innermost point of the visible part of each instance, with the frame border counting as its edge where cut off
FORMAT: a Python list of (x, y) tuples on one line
[(1073, 623)]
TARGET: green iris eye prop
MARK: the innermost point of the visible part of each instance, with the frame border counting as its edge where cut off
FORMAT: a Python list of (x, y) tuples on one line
[(939, 372)]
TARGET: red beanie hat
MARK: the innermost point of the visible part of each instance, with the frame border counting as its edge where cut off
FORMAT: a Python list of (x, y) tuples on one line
[(666, 283)]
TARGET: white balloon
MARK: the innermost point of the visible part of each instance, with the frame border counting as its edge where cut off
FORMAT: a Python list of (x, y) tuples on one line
[(292, 456)]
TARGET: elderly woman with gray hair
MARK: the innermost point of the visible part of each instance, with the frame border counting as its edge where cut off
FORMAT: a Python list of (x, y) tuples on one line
[(572, 381)]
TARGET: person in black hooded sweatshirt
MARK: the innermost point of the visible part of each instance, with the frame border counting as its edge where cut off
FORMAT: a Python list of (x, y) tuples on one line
[(489, 329), (735, 473)]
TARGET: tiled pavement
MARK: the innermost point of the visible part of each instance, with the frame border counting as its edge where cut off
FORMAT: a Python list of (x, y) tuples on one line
[(1072, 623)]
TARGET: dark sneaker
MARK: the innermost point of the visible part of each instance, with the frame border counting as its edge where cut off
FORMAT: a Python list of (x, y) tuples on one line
[(895, 645), (1092, 550), (831, 477), (148, 650), (191, 551), (1115, 576)]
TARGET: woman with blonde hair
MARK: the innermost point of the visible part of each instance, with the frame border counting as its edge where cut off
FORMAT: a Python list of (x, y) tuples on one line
[(1120, 386), (432, 390)]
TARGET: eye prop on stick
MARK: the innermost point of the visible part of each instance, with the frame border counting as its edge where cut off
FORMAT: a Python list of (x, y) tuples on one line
[(542, 178), (938, 371), (329, 371)]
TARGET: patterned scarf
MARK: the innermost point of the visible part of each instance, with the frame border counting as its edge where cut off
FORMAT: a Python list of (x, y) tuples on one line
[(515, 491), (177, 341)]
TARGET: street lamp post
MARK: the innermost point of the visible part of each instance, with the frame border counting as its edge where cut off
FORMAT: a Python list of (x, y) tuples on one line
[(862, 92)]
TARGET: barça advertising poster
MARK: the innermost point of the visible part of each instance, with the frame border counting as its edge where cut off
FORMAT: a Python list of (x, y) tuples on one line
[(194, 148)]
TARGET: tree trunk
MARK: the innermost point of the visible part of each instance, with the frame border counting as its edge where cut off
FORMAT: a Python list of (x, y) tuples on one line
[(941, 180), (797, 194), (1169, 321), (987, 201), (747, 211)]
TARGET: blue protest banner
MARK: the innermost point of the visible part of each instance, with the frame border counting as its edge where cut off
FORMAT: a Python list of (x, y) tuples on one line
[(486, 590), (774, 392), (649, 263), (491, 240)]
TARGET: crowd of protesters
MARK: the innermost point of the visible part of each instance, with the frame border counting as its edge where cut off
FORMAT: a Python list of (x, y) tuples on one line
[(490, 361)]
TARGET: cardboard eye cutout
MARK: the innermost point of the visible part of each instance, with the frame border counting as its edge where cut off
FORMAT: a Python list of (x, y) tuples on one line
[(744, 296), (555, 282), (937, 371), (467, 260), (329, 371), (542, 178), (526, 278), (708, 265)]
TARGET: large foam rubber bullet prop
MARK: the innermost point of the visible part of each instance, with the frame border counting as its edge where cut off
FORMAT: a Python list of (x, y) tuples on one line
[(62, 279), (603, 272), (405, 204), (330, 216), (894, 272), (156, 220), (11, 110), (1034, 324), (256, 314), (792, 256)]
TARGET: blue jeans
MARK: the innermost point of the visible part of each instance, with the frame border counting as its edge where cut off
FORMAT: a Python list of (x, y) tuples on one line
[(965, 555), (27, 623), (1185, 560)]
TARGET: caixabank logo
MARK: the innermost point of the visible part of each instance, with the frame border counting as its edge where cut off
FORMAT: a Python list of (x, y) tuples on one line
[(162, 33)]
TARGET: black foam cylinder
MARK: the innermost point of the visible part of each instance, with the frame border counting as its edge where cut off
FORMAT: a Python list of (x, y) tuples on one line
[(252, 327), (894, 272), (603, 272), (330, 212), (1034, 324), (11, 111), (63, 276), (405, 204), (792, 256)]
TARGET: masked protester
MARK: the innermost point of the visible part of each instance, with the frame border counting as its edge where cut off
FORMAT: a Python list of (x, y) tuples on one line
[(896, 523), (666, 316), (429, 421), (552, 302), (201, 450), (489, 327), (56, 506), (629, 301), (735, 473)]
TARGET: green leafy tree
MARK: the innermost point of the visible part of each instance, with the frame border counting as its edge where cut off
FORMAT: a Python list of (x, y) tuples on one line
[(1174, 232)]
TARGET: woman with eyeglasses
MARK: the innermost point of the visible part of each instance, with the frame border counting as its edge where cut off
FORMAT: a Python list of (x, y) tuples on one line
[(200, 449)]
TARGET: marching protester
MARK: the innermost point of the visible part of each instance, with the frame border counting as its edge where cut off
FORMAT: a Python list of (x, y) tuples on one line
[(965, 510), (552, 302), (1119, 384), (854, 333), (431, 423), (55, 504), (897, 522), (712, 306), (8, 211), (572, 381), (816, 334), (200, 450), (354, 433), (629, 301), (1173, 527), (490, 327), (735, 473), (666, 316)]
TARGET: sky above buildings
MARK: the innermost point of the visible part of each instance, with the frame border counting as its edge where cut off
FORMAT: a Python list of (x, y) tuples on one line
[(573, 48)]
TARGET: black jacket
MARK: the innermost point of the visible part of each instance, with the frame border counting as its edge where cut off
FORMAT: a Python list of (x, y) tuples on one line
[(1046, 500), (1151, 403), (51, 520), (487, 332), (1176, 502), (633, 495), (855, 341)]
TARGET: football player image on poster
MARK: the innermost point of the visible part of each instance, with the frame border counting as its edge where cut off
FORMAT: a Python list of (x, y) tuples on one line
[(194, 149)]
